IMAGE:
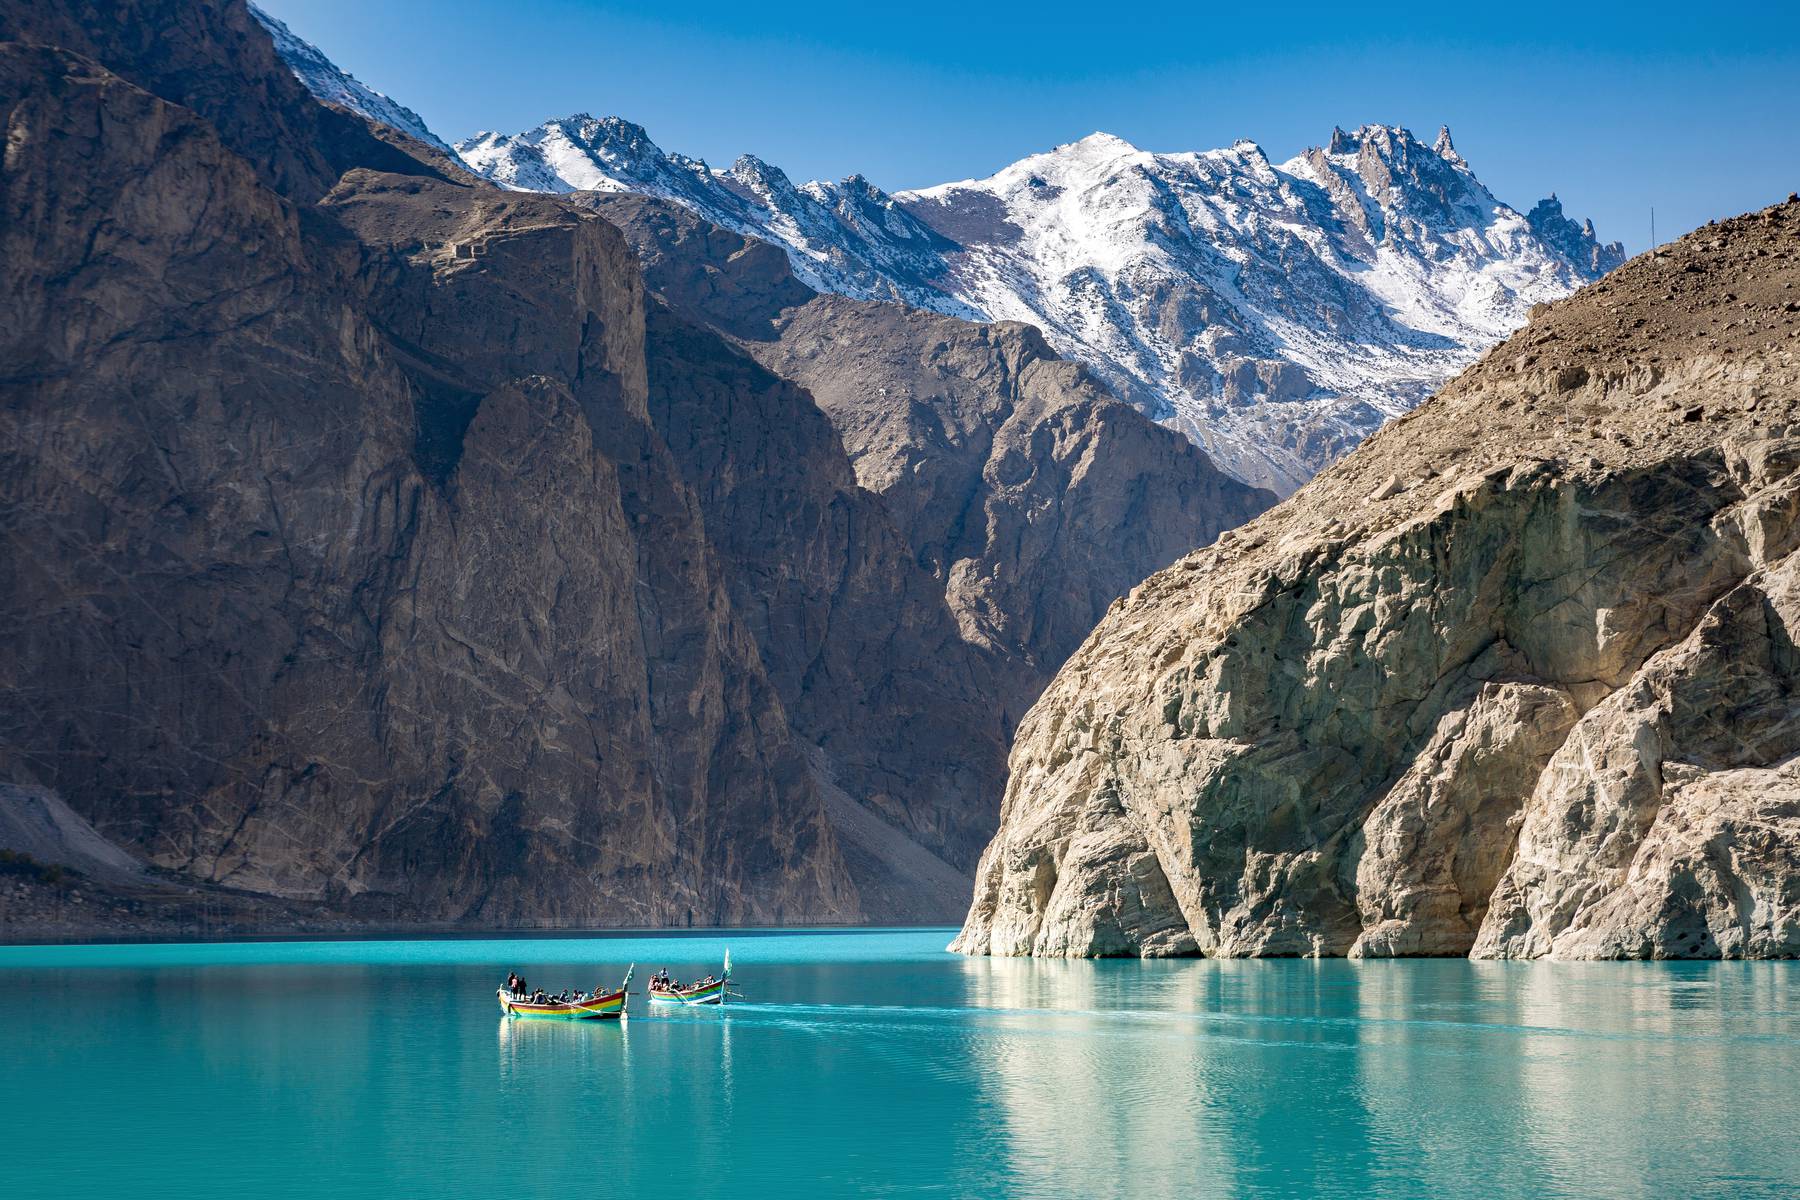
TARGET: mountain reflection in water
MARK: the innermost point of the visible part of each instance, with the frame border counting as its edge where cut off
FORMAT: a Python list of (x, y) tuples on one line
[(872, 1062)]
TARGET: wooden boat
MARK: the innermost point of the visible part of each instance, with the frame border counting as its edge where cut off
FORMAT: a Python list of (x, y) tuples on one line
[(608, 1006), (698, 993)]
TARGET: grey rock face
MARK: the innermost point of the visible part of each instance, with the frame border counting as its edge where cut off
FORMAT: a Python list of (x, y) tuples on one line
[(858, 639), (1030, 495), (1437, 843), (1575, 241), (1514, 679), (350, 566)]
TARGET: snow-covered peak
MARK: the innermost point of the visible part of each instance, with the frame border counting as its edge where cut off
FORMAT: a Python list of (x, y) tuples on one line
[(1445, 149), (1575, 240), (327, 82), (1094, 155), (769, 184), (1275, 313), (848, 237), (1098, 146)]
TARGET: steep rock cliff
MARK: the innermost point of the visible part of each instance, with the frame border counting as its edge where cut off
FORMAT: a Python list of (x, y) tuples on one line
[(348, 564), (924, 515), (857, 638), (1028, 493), (1516, 678)]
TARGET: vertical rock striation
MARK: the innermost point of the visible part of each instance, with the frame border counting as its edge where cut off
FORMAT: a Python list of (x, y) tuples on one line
[(348, 564)]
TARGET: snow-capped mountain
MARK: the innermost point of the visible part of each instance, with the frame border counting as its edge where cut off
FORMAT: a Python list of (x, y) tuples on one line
[(1276, 313), (847, 237), (324, 79)]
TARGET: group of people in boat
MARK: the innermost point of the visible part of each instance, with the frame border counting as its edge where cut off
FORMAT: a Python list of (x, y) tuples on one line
[(660, 982), (518, 989)]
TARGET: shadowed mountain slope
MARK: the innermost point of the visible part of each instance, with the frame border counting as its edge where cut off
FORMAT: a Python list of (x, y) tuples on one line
[(349, 564)]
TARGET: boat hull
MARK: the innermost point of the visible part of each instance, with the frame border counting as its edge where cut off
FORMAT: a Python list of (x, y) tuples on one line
[(603, 1008), (712, 993)]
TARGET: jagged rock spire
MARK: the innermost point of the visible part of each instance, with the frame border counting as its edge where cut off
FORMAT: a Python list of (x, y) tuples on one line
[(1445, 148)]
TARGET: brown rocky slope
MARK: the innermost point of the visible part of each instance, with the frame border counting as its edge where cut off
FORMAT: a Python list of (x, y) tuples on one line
[(1515, 679)]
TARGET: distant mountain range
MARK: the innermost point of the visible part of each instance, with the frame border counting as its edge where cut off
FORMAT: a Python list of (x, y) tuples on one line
[(1275, 313)]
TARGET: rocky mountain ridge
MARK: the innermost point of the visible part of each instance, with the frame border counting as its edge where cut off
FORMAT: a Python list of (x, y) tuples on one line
[(330, 83), (1275, 313), (1516, 679)]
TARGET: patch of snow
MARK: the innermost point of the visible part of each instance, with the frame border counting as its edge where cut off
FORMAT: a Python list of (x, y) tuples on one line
[(326, 81)]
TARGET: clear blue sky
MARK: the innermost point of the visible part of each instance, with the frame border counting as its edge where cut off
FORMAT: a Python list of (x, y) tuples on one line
[(1693, 108)]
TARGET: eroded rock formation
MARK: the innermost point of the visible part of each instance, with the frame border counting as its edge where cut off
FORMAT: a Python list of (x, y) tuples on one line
[(1516, 678)]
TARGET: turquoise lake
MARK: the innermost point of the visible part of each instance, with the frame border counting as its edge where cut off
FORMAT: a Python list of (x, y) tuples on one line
[(873, 1063)]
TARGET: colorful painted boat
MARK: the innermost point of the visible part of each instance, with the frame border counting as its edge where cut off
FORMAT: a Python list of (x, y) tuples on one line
[(609, 1006), (699, 993)]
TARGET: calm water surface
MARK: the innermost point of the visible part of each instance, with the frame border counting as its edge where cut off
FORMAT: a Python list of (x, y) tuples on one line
[(872, 1063)]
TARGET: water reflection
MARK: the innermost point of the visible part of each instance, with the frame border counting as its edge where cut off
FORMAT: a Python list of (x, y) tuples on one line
[(1336, 1078), (1629, 1076), (914, 1073), (1097, 1090), (583, 1049)]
